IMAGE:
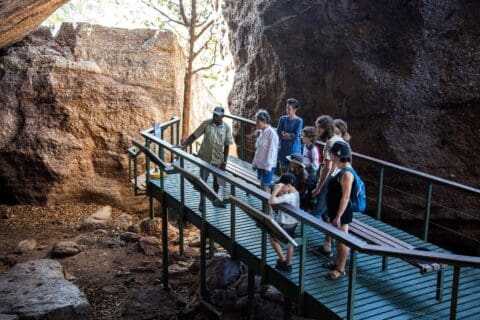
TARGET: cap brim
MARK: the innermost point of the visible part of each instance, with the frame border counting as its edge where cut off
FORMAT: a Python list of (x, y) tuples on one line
[(220, 114)]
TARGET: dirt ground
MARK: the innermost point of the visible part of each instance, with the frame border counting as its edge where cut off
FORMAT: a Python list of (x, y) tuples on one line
[(120, 282)]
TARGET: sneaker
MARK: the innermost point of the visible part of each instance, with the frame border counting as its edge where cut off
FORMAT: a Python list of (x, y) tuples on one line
[(283, 266)]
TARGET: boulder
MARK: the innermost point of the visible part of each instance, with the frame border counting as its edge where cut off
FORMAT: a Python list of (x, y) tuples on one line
[(223, 271), (122, 222), (64, 249), (98, 220), (150, 246), (153, 227), (130, 236), (37, 290), (26, 245)]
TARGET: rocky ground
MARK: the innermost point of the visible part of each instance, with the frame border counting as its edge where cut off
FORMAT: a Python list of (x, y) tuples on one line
[(115, 260)]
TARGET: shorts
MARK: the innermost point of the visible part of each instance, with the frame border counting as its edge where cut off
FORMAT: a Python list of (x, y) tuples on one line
[(265, 178), (320, 209), (289, 229)]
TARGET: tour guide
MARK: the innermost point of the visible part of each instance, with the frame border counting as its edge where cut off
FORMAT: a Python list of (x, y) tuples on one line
[(216, 142)]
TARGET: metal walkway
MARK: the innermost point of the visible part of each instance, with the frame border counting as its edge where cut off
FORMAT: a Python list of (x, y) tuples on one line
[(399, 293), (367, 292)]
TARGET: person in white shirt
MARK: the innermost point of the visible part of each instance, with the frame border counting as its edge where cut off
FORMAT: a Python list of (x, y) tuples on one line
[(266, 149), (285, 192)]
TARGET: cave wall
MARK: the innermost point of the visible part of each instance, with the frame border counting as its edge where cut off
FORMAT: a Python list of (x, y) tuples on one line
[(405, 75)]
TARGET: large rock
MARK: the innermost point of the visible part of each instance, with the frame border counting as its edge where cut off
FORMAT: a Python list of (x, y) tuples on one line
[(64, 249), (26, 245), (73, 102), (405, 76), (37, 290), (98, 220), (19, 17)]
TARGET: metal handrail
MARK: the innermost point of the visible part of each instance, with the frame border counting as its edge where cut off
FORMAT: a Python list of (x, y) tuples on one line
[(302, 216)]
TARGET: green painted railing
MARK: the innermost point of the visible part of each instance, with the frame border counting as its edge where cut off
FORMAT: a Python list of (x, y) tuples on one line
[(429, 180), (305, 219)]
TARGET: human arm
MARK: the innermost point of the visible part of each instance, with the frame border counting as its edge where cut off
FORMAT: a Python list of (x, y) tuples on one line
[(195, 135), (226, 147), (273, 195), (324, 172), (297, 133), (346, 182), (272, 150)]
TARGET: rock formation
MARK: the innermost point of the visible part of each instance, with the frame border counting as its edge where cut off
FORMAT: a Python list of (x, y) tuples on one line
[(72, 103), (404, 75), (20, 17)]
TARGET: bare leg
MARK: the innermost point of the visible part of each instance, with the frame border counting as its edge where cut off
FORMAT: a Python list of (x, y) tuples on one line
[(342, 251), (327, 242), (278, 249), (290, 254)]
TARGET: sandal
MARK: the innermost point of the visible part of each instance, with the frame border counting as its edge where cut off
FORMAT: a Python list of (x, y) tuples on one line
[(330, 265), (332, 276), (322, 251)]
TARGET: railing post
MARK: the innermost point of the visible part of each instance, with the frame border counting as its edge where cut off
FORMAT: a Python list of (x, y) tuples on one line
[(147, 182), (426, 221), (263, 263), (380, 193), (203, 249), (164, 242), (301, 277), (135, 174), (232, 222), (182, 210), (242, 141), (351, 284), (454, 298)]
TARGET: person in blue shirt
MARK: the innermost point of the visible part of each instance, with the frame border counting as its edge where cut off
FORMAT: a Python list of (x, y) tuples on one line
[(289, 131)]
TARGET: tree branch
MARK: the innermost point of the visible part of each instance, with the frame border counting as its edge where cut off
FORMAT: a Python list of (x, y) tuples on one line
[(169, 19), (184, 16), (203, 29), (205, 68), (205, 45), (205, 21)]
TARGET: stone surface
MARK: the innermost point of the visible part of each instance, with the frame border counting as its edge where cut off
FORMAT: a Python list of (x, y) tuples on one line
[(20, 17), (151, 303), (64, 249), (153, 227), (122, 222), (150, 246), (72, 103), (26, 245), (130, 236), (98, 220), (37, 290), (405, 76)]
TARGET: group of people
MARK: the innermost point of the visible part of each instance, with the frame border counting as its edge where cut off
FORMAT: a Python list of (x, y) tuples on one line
[(319, 179)]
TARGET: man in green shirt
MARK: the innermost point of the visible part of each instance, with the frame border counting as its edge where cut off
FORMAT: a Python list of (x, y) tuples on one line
[(217, 138)]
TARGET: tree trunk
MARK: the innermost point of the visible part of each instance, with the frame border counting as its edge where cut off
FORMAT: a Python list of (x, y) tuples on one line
[(187, 91)]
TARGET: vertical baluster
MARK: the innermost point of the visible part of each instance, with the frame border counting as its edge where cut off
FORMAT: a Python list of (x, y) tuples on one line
[(232, 221), (182, 209), (379, 194), (203, 245), (251, 294), (263, 264), (454, 298), (428, 203), (351, 284), (164, 241), (303, 258)]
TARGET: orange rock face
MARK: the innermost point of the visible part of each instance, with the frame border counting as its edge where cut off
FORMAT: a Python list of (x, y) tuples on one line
[(71, 105)]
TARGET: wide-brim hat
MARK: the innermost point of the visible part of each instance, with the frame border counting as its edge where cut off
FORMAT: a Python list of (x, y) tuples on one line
[(296, 158)]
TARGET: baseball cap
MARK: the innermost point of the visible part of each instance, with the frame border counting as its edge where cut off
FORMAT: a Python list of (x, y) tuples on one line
[(287, 178), (218, 111), (341, 149)]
